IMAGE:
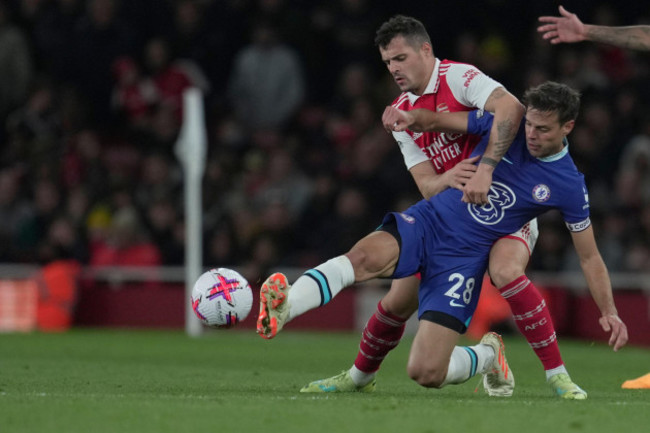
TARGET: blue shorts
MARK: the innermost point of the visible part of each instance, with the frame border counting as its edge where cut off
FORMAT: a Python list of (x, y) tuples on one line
[(450, 279)]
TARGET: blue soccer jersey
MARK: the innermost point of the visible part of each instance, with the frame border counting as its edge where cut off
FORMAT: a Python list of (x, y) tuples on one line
[(449, 241)]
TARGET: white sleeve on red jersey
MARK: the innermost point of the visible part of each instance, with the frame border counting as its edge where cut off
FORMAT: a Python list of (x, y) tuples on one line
[(469, 85), (411, 152)]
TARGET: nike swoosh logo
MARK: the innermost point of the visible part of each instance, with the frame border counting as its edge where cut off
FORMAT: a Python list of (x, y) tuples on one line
[(507, 160), (330, 388), (454, 304)]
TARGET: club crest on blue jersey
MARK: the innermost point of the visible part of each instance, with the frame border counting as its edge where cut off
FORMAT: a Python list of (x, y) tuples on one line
[(541, 193), (500, 198), (409, 219)]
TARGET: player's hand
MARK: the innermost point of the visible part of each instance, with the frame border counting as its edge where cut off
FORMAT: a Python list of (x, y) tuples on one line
[(396, 120), (462, 172), (477, 187), (565, 28), (613, 323)]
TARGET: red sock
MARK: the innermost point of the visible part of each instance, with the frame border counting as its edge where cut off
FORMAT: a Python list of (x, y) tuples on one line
[(381, 334), (533, 320)]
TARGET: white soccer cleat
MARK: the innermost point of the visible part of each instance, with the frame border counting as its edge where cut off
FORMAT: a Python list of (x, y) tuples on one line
[(498, 380), (274, 305)]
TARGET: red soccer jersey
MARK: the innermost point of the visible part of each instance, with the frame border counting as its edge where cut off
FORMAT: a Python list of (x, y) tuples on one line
[(453, 87)]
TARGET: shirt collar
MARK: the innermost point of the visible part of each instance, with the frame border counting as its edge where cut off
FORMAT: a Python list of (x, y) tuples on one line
[(558, 155)]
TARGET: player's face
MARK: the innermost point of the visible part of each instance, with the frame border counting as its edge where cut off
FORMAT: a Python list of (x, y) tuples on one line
[(545, 133), (410, 67)]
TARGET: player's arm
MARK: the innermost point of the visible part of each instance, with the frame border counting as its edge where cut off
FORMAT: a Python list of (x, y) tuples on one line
[(600, 286), (569, 28), (431, 183), (428, 181), (421, 120), (508, 112)]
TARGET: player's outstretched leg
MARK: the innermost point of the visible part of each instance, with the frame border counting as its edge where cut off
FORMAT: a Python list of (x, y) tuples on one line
[(274, 306), (340, 383), (498, 380), (563, 386)]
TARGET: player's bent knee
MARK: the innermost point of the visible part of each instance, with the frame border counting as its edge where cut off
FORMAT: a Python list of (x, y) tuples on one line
[(504, 275), (426, 376)]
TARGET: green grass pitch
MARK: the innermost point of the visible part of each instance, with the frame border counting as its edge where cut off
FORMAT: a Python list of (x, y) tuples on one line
[(95, 381)]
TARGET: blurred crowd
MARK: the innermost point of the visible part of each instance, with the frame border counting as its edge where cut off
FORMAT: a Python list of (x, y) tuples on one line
[(298, 165)]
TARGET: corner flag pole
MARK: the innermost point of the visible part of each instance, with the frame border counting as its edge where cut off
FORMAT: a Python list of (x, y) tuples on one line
[(191, 151)]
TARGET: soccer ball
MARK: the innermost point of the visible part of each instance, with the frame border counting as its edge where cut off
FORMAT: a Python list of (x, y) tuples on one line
[(221, 298)]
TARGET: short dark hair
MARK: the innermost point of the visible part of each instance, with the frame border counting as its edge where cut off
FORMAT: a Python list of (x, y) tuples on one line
[(411, 29), (552, 96)]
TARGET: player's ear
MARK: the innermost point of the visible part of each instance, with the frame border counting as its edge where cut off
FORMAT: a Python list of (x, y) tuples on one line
[(427, 48), (568, 127)]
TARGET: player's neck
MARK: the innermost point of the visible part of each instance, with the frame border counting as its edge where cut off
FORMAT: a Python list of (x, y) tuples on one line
[(557, 153), (421, 91)]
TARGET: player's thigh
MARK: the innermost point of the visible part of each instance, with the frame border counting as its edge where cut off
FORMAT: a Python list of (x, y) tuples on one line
[(402, 298), (374, 256), (508, 260), (431, 352)]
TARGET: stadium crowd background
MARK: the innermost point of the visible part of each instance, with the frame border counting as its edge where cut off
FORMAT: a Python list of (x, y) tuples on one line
[(299, 166)]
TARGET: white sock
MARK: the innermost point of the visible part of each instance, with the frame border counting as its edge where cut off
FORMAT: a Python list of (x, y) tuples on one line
[(361, 378), (318, 286), (557, 370), (466, 362)]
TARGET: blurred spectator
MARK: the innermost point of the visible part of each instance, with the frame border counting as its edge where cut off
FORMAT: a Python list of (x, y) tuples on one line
[(127, 243), (633, 181), (612, 235), (133, 95), (353, 27), (193, 37), (261, 257), (47, 204), (495, 57), (267, 83), (221, 247), (100, 38), (83, 163), (353, 85), (284, 183), (551, 245), (467, 48), (63, 240), (171, 77), (34, 130), (159, 180), (349, 222), (317, 212), (16, 68), (14, 209), (54, 36), (77, 207), (162, 218)]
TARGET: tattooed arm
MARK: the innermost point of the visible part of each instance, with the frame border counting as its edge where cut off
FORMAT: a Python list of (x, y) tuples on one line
[(508, 112), (568, 28)]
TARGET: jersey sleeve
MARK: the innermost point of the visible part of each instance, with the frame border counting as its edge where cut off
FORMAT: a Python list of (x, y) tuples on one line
[(479, 122), (576, 207), (411, 152), (469, 85)]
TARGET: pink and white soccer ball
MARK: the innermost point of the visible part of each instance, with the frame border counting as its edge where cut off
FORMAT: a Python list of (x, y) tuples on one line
[(221, 298)]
